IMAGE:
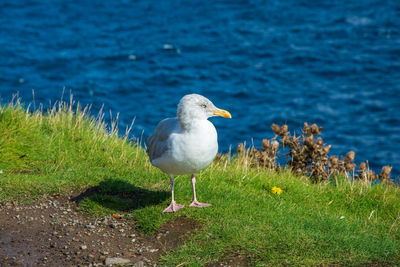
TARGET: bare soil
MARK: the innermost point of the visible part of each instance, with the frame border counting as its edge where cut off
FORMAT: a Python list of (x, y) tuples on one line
[(54, 233)]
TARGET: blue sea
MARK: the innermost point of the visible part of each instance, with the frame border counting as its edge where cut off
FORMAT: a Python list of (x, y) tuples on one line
[(334, 63)]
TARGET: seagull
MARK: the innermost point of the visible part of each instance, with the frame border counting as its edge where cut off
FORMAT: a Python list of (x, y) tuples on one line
[(187, 143)]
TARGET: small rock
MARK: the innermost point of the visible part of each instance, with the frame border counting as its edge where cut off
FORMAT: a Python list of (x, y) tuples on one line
[(113, 225), (83, 247), (121, 230), (138, 264), (90, 226), (132, 236), (133, 240), (111, 261)]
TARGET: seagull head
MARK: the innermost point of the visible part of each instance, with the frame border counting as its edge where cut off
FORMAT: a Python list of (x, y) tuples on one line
[(197, 107)]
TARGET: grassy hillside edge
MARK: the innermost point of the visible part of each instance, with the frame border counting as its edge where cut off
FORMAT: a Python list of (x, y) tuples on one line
[(64, 151)]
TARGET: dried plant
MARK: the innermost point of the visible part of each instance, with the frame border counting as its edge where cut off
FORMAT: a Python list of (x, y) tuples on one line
[(385, 174), (308, 155), (266, 157)]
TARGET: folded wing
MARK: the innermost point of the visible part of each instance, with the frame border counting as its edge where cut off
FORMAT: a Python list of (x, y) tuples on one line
[(158, 142)]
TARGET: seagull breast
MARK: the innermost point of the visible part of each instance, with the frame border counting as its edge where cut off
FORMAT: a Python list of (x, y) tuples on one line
[(195, 149)]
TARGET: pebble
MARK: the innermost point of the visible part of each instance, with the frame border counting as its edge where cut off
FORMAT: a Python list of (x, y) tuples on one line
[(111, 261), (90, 226), (138, 264), (83, 247), (113, 225)]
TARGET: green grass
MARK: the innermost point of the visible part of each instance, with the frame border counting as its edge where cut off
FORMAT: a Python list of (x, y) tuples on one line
[(65, 151)]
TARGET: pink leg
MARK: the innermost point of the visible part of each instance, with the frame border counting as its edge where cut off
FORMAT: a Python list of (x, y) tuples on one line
[(173, 207), (195, 203)]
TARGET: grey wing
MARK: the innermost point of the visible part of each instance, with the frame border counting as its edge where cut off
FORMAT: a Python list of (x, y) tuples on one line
[(158, 142)]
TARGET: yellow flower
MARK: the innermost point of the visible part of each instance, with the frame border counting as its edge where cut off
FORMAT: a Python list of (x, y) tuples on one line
[(276, 190)]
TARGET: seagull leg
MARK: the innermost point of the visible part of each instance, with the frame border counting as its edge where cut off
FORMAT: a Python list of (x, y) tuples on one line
[(195, 203), (173, 207)]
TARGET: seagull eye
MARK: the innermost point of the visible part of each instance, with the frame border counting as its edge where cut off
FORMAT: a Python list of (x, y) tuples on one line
[(203, 105)]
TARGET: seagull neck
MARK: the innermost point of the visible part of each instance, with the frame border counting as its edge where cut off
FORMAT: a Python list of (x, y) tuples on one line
[(188, 125)]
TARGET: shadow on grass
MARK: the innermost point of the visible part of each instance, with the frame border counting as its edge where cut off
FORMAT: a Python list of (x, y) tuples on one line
[(121, 196)]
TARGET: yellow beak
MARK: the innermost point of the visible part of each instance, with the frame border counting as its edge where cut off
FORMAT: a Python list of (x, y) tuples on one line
[(222, 113)]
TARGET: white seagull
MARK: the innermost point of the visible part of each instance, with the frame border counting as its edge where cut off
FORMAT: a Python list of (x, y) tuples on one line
[(187, 143)]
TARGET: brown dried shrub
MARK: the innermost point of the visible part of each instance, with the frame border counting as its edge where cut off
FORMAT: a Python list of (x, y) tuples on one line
[(308, 155)]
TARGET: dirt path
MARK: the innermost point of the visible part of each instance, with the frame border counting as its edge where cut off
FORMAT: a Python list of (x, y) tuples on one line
[(53, 233)]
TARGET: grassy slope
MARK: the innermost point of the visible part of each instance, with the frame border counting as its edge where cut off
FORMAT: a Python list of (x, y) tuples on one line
[(65, 151)]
